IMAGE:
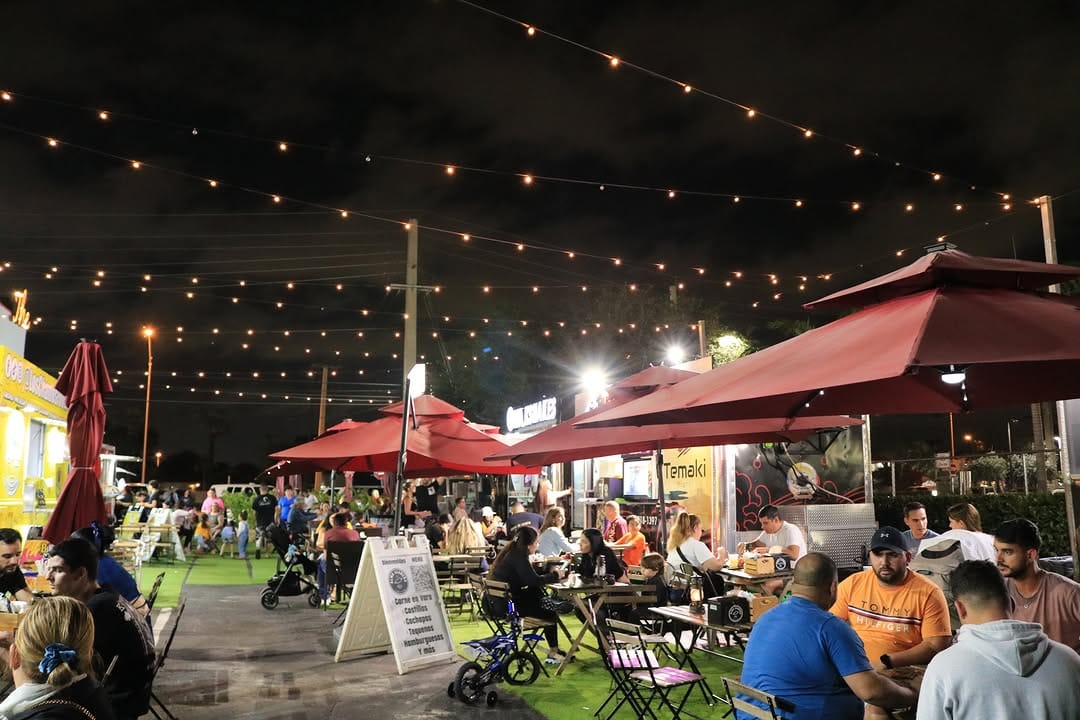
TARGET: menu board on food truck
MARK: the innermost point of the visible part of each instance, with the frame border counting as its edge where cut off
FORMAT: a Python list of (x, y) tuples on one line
[(397, 606)]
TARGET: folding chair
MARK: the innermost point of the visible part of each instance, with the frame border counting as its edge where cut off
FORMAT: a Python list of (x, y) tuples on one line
[(625, 655), (500, 590), (152, 597), (772, 703), (342, 564), (476, 595), (161, 662), (661, 680), (458, 590)]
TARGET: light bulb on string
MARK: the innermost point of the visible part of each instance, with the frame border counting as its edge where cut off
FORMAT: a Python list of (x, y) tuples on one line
[(282, 146), (450, 170), (808, 133), (135, 165), (687, 89), (527, 179), (530, 31), (613, 61), (937, 177), (5, 96), (751, 113), (52, 142)]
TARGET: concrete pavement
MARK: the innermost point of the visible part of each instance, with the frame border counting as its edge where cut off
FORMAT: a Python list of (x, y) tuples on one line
[(232, 659)]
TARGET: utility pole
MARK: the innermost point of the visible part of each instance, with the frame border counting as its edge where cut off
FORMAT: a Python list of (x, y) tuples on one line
[(411, 262), (322, 418), (1046, 210)]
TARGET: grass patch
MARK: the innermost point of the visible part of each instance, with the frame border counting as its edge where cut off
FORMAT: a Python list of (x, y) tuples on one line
[(585, 683)]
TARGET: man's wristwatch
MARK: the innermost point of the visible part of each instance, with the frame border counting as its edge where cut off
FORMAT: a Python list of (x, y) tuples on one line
[(886, 661)]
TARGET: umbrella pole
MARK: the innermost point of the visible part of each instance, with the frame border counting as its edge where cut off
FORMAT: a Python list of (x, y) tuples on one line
[(400, 474), (661, 520)]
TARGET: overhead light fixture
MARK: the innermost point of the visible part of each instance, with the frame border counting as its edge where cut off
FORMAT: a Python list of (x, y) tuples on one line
[(953, 376)]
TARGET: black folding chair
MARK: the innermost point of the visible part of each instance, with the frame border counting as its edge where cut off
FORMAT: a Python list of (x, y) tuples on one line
[(342, 564), (152, 597), (161, 662)]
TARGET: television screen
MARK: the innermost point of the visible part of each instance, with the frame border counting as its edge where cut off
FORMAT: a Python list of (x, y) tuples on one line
[(638, 479)]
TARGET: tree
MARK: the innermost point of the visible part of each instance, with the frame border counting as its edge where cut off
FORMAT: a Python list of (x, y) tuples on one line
[(727, 345)]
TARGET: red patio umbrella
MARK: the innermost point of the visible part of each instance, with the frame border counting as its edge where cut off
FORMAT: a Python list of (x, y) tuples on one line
[(82, 381), (570, 441), (442, 443), (947, 317)]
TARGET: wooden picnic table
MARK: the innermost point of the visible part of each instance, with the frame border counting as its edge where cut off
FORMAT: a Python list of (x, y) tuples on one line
[(577, 592)]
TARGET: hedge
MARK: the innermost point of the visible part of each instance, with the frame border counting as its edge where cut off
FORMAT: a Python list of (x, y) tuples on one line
[(1046, 511)]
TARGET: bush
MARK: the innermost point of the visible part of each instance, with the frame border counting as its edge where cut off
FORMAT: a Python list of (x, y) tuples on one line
[(1046, 511)]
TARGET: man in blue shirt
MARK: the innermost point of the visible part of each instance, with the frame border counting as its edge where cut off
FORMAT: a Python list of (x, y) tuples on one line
[(285, 506), (806, 655), (918, 526)]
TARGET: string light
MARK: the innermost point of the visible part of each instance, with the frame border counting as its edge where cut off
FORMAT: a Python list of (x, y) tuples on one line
[(450, 170), (282, 146), (52, 142), (613, 61), (527, 179), (5, 96), (103, 115), (135, 164)]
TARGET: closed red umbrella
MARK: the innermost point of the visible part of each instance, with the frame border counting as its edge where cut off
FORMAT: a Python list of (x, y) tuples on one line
[(82, 381), (951, 335)]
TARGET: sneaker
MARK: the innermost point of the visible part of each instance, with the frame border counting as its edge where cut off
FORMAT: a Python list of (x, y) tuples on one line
[(555, 657), (564, 607)]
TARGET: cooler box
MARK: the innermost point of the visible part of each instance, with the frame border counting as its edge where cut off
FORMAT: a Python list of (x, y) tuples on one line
[(724, 610)]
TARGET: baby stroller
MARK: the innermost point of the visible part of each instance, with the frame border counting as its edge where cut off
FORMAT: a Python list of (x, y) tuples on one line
[(502, 659), (295, 579)]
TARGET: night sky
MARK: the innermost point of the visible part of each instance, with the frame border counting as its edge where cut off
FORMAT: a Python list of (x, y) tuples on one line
[(374, 100)]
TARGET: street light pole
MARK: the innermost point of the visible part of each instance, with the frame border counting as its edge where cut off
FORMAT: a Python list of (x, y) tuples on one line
[(148, 333), (1008, 433)]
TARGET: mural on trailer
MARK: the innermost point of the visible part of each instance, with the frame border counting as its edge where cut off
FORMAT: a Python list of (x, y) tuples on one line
[(805, 476)]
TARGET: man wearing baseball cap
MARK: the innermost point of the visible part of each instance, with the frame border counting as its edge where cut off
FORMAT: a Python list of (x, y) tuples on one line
[(901, 617)]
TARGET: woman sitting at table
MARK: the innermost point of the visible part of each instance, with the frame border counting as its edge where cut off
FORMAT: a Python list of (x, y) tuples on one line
[(50, 662), (512, 567), (552, 540), (687, 548), (592, 549), (463, 536)]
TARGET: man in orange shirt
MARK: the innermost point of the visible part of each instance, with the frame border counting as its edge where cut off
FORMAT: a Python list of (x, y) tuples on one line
[(901, 617)]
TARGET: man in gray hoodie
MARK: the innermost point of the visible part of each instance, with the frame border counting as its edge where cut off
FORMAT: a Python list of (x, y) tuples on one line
[(998, 668)]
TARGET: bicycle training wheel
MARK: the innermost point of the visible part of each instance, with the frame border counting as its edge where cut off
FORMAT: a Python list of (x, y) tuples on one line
[(468, 686)]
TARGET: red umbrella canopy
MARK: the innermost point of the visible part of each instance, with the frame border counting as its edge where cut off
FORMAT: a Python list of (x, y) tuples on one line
[(82, 381), (1005, 348), (565, 442), (437, 446), (568, 441), (425, 406), (950, 268)]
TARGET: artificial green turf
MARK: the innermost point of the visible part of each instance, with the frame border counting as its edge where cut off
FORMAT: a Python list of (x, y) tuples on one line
[(203, 570), (585, 683)]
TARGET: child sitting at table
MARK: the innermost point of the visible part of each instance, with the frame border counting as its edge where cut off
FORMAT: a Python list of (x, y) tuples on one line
[(652, 569)]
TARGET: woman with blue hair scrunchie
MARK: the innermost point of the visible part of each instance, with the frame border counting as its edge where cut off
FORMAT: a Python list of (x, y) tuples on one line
[(50, 661)]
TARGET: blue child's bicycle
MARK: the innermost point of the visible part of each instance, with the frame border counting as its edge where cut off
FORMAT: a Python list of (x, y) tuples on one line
[(499, 657)]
